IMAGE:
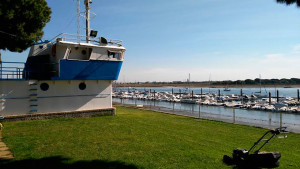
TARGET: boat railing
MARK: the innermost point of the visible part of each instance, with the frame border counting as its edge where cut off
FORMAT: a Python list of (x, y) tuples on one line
[(17, 71), (11, 70), (82, 39)]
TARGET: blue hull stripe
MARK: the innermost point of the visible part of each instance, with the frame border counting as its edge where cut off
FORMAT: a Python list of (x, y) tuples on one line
[(88, 70)]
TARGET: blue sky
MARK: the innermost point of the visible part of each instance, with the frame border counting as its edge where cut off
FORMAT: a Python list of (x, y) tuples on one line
[(168, 39)]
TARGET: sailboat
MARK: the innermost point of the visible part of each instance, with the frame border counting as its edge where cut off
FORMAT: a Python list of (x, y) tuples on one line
[(259, 93), (226, 89)]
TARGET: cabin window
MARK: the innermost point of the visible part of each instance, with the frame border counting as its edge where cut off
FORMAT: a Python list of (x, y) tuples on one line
[(82, 86), (114, 55), (44, 86)]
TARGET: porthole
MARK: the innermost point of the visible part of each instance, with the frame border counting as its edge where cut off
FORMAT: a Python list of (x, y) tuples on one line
[(44, 86), (82, 86), (83, 52)]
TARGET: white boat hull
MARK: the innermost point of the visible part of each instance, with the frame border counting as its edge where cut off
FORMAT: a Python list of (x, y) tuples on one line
[(20, 97)]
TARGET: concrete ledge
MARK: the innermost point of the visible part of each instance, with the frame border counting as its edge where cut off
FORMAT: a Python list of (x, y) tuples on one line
[(72, 114)]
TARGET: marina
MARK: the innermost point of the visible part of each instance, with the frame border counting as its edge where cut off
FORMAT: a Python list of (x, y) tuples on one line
[(192, 82), (230, 107)]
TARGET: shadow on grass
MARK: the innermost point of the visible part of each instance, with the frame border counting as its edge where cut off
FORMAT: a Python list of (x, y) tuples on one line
[(59, 162)]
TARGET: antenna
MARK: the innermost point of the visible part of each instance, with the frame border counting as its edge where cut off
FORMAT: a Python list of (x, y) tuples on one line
[(78, 21)]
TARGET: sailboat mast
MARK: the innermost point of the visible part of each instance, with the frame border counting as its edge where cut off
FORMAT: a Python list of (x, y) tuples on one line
[(87, 17), (260, 84), (189, 82), (209, 83)]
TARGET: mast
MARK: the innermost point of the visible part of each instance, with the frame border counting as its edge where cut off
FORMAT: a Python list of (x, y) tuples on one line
[(78, 21), (260, 84), (189, 80), (209, 83), (87, 17)]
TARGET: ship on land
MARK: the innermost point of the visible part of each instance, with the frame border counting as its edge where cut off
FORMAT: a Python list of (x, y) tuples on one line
[(71, 73)]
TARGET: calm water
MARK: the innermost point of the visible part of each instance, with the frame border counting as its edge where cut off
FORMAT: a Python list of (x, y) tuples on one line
[(240, 116)]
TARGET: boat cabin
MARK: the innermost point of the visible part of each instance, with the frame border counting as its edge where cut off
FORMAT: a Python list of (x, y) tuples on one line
[(61, 76), (66, 60)]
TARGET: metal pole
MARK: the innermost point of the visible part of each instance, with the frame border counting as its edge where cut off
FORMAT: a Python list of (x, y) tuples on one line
[(193, 108), (277, 96), (270, 118), (154, 98), (280, 119), (298, 94), (78, 21), (192, 94), (173, 106), (87, 16), (199, 111), (201, 93), (270, 98), (233, 111), (19, 73)]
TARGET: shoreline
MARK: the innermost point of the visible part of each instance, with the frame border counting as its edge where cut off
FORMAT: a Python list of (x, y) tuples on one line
[(206, 85)]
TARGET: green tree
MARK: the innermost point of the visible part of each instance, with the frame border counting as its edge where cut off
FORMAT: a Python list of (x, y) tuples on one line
[(289, 2), (249, 81), (22, 22)]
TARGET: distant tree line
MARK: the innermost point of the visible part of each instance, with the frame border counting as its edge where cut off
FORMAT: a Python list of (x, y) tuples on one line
[(257, 81)]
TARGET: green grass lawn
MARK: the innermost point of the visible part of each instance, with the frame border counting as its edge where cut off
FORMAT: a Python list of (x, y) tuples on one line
[(135, 139)]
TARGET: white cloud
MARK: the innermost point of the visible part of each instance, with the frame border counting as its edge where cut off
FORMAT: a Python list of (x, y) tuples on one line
[(274, 56), (296, 49)]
